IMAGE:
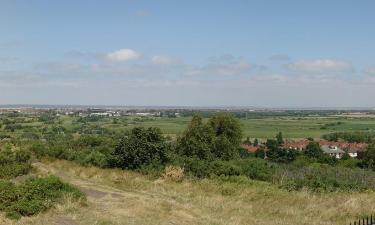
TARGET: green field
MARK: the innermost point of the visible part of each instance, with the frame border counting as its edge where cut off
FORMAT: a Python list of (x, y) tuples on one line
[(292, 127)]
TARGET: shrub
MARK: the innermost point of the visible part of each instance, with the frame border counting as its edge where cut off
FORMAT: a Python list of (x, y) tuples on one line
[(39, 149), (257, 169), (12, 170), (140, 147), (34, 196), (95, 158), (225, 168), (14, 163), (196, 167)]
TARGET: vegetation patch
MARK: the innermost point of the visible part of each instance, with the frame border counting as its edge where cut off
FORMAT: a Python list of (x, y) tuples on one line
[(34, 196), (14, 163)]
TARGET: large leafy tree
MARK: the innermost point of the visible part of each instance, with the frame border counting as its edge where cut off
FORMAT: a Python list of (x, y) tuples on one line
[(197, 140), (140, 147), (228, 135), (218, 138)]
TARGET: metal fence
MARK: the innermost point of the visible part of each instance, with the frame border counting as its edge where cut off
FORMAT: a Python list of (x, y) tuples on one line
[(365, 221)]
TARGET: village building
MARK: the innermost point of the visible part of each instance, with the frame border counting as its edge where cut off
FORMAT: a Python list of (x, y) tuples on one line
[(333, 151)]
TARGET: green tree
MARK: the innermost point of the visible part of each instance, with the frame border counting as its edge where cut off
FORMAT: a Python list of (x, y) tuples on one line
[(247, 141), (197, 140), (260, 153), (228, 135), (256, 142), (140, 147), (313, 150), (279, 139), (369, 157), (219, 138)]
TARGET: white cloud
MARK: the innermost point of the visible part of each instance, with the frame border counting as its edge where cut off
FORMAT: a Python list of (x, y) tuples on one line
[(164, 60), (227, 69), (123, 55), (321, 66)]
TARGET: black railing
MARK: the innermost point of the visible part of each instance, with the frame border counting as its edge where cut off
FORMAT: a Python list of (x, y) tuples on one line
[(365, 221)]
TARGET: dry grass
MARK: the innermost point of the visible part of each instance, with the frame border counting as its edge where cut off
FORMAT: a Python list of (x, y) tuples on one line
[(173, 173), (123, 197)]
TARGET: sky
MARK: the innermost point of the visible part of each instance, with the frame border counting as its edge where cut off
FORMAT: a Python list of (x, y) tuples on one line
[(261, 53)]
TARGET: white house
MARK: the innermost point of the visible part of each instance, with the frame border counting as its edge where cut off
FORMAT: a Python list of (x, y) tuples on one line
[(333, 151)]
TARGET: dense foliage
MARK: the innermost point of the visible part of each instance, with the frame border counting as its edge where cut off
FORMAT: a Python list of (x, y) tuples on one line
[(219, 138), (14, 163), (351, 137), (140, 147)]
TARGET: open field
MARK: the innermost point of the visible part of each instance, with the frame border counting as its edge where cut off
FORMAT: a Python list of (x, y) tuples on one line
[(292, 127), (124, 197)]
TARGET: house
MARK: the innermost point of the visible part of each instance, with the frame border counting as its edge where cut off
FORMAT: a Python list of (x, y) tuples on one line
[(333, 151), (353, 153), (351, 148), (296, 145), (249, 148)]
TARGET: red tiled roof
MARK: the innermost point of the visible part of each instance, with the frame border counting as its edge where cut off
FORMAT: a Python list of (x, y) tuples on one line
[(351, 147), (249, 148)]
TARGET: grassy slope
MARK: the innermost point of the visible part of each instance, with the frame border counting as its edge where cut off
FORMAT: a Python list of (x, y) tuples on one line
[(123, 197)]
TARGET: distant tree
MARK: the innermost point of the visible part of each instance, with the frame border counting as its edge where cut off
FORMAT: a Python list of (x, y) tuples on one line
[(313, 150), (271, 144), (260, 153), (279, 139), (256, 142), (140, 147), (247, 141), (368, 158)]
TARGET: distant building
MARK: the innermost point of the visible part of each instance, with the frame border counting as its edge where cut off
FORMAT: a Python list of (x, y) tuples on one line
[(249, 148), (333, 151), (351, 148)]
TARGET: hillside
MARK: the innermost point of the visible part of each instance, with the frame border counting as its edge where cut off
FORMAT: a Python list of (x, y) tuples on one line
[(125, 197)]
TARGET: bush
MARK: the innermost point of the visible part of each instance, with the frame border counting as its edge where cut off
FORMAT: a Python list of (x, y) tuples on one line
[(95, 158), (39, 149), (256, 169), (34, 196), (12, 170), (140, 147), (225, 168), (196, 167), (14, 163)]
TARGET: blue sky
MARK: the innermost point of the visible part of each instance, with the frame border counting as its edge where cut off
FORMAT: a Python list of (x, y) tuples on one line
[(196, 53)]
